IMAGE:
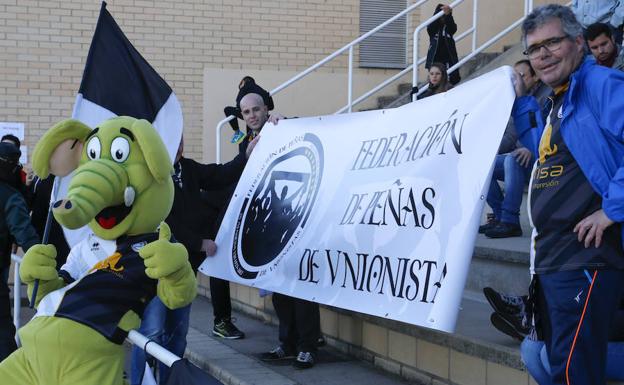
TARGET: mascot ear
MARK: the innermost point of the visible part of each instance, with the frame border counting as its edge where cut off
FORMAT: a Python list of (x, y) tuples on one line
[(154, 150), (59, 149)]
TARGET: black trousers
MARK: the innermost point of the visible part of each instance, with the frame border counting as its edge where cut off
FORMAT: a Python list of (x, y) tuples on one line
[(220, 294), (7, 330), (299, 323)]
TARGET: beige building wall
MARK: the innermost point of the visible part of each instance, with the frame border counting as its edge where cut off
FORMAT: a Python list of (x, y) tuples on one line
[(201, 47), (44, 46)]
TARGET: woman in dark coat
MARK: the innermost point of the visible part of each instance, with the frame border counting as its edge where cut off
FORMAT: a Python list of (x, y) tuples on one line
[(441, 42), (438, 81)]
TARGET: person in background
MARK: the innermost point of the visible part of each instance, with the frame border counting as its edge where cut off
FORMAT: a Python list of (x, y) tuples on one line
[(14, 226), (610, 12), (441, 42), (438, 81), (238, 136), (20, 175), (603, 47), (512, 166), (39, 192)]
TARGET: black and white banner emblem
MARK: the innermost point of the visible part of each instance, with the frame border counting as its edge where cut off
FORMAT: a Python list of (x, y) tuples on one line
[(277, 207)]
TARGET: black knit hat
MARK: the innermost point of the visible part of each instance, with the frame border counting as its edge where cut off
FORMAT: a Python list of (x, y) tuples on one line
[(9, 153), (251, 87)]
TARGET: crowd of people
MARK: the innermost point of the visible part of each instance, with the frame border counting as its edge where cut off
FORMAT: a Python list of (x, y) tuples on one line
[(565, 140)]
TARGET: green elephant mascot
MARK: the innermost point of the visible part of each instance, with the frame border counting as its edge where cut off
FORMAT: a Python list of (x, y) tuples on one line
[(121, 188)]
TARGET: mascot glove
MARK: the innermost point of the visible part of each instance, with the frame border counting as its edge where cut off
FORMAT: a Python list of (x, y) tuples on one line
[(39, 262), (168, 262), (163, 258)]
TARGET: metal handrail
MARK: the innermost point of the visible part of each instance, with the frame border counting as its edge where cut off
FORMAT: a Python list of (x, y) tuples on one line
[(17, 296), (472, 30), (528, 7), (420, 27), (416, 61), (477, 51), (155, 350), (322, 62)]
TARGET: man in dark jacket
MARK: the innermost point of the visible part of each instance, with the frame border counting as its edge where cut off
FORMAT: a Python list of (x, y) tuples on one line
[(14, 225), (39, 192)]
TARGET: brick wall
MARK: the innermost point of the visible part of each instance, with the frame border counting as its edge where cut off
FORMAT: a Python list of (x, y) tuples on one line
[(43, 46)]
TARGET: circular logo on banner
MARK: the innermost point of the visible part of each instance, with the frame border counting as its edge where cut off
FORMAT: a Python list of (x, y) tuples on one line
[(277, 207)]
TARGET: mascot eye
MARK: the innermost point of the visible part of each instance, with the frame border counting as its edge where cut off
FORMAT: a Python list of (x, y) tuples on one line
[(120, 149), (94, 148)]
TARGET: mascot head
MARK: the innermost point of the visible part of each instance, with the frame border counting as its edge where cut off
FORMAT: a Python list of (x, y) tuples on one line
[(122, 175)]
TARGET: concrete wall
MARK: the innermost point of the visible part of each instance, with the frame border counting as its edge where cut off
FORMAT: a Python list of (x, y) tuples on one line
[(419, 355)]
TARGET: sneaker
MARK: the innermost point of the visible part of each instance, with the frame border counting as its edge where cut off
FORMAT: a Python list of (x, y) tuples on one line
[(505, 304), (504, 230), (491, 222), (304, 360), (226, 329), (510, 325), (320, 342), (277, 354)]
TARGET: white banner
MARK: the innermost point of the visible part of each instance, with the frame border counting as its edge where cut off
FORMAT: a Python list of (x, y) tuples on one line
[(375, 212)]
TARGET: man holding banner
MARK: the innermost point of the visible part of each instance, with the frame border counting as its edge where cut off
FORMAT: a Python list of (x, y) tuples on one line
[(299, 323), (576, 196), (383, 223)]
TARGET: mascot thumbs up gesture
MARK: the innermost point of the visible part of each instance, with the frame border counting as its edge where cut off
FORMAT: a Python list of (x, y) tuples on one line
[(122, 188)]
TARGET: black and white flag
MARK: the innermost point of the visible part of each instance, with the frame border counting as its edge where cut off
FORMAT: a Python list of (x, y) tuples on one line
[(117, 81)]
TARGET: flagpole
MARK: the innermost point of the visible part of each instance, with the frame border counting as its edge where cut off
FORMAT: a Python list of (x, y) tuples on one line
[(46, 234)]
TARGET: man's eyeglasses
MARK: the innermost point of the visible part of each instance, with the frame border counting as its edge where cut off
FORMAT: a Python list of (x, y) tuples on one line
[(551, 45)]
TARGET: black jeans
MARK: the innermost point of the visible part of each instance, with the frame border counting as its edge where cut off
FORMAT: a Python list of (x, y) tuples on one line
[(7, 330), (220, 294), (299, 323)]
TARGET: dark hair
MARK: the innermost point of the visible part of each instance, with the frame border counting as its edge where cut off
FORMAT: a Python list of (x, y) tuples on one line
[(9, 164), (544, 14), (444, 82), (597, 29), (528, 63), (12, 138)]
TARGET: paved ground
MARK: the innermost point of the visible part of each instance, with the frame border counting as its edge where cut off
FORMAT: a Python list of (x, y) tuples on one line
[(236, 361)]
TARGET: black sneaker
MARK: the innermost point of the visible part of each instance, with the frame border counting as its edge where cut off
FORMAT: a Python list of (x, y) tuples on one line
[(505, 304), (226, 329), (304, 360), (504, 230), (491, 222), (320, 342), (277, 354), (510, 325)]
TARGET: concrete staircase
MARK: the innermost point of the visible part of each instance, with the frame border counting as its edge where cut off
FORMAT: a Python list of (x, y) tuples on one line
[(480, 64)]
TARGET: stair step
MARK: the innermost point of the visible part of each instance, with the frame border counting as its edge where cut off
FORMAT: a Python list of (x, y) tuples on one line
[(404, 88)]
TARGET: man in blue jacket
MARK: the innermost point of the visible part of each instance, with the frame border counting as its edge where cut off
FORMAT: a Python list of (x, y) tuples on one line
[(576, 196)]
